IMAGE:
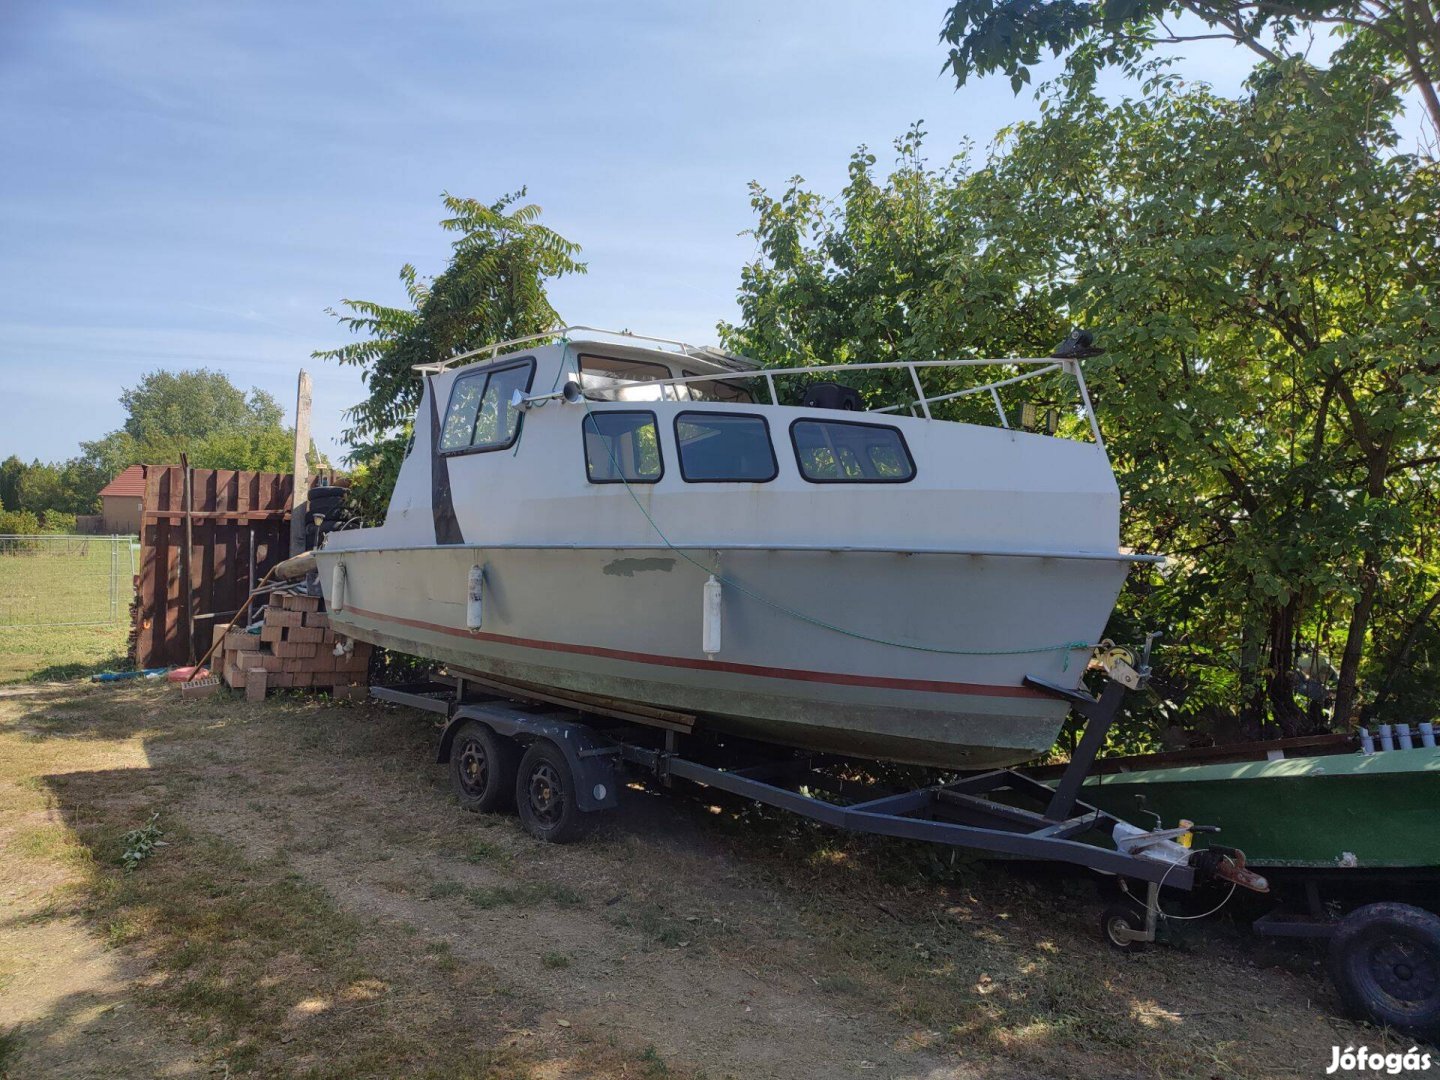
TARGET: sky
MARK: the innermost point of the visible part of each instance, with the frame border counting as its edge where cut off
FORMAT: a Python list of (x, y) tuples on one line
[(194, 184)]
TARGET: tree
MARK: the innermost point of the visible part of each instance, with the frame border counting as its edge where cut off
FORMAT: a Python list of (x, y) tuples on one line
[(193, 405), (199, 413), (1263, 272), (12, 469), (492, 290), (1399, 39)]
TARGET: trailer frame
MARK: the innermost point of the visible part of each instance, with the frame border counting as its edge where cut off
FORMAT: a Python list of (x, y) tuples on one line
[(983, 812)]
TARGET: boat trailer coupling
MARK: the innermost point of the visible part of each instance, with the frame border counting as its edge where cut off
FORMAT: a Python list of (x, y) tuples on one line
[(1172, 846)]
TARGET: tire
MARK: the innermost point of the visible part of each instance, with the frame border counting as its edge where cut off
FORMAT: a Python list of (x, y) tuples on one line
[(482, 769), (1385, 963), (1127, 915), (545, 796), (323, 494)]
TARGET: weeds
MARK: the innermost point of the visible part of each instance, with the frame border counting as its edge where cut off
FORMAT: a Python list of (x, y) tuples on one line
[(141, 843)]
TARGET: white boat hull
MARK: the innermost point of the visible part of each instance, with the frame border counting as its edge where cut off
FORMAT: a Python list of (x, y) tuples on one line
[(931, 671)]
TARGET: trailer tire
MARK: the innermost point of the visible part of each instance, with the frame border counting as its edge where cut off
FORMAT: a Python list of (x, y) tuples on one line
[(482, 769), (1385, 964), (545, 796), (1126, 915)]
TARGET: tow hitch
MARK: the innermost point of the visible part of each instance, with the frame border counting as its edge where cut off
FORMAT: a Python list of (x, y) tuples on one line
[(1131, 923)]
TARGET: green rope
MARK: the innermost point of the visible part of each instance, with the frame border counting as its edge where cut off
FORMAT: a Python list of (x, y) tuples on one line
[(1067, 647)]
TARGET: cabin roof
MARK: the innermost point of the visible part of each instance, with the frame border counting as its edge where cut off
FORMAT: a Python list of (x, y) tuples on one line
[(718, 360)]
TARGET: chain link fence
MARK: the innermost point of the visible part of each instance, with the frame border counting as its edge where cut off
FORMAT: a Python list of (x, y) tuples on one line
[(66, 580)]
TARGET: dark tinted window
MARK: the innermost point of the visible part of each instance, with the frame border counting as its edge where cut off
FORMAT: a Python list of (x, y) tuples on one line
[(622, 446), (840, 451), (724, 446), (479, 416)]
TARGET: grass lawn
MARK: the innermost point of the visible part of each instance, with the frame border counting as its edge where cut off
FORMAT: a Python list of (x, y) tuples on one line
[(57, 653), (47, 585)]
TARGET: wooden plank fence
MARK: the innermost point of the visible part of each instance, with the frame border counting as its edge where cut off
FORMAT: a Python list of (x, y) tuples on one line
[(202, 543)]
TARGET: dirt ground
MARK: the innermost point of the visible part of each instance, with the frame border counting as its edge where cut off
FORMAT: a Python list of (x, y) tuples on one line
[(318, 906)]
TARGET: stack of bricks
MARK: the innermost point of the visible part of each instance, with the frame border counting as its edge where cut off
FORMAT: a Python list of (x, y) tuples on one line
[(295, 648)]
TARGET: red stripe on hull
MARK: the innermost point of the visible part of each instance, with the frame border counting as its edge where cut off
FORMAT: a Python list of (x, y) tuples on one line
[(929, 686)]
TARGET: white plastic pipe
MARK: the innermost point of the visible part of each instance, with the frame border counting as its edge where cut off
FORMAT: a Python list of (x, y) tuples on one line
[(475, 598), (710, 628), (337, 587)]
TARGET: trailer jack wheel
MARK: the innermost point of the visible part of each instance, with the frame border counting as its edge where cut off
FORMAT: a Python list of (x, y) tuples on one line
[(482, 769), (1122, 925)]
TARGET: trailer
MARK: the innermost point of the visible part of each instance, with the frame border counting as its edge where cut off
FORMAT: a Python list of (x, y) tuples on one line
[(560, 761)]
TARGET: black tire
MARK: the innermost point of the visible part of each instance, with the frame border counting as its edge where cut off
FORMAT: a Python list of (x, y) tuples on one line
[(323, 494), (1385, 963), (1125, 914), (545, 796), (482, 769)]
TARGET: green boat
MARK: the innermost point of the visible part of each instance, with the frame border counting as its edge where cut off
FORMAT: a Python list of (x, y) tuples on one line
[(1324, 810)]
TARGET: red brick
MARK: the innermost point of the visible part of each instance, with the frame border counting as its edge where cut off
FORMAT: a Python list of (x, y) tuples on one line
[(284, 618), (312, 634), (282, 679), (256, 682), (295, 602), (272, 632), (289, 649), (317, 618), (268, 662)]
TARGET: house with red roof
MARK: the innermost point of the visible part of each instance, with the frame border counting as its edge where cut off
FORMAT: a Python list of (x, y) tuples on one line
[(121, 500)]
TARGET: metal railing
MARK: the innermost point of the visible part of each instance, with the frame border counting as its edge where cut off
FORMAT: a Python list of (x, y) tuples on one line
[(66, 580), (742, 367), (700, 352)]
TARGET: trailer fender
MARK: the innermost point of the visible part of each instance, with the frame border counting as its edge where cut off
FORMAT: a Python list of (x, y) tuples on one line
[(594, 760)]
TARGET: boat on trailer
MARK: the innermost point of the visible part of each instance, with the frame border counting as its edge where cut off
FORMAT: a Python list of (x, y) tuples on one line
[(621, 519)]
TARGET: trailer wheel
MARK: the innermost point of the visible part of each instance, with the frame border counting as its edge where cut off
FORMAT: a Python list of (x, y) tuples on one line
[(545, 796), (1124, 915), (482, 769), (1385, 962)]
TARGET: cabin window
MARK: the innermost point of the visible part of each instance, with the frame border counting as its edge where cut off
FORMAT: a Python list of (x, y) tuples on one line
[(718, 390), (841, 451), (622, 446), (480, 416), (600, 374), (723, 446)]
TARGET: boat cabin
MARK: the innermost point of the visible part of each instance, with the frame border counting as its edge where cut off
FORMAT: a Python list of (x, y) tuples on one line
[(667, 443)]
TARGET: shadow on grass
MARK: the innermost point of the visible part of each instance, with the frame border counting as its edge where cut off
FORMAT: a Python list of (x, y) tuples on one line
[(81, 669)]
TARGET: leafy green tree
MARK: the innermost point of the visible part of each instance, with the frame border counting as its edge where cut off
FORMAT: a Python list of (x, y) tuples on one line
[(1396, 39), (199, 413), (12, 469), (1263, 272), (492, 290), (193, 405)]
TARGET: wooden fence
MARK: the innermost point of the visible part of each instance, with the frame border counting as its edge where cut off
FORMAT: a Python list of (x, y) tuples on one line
[(203, 544)]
